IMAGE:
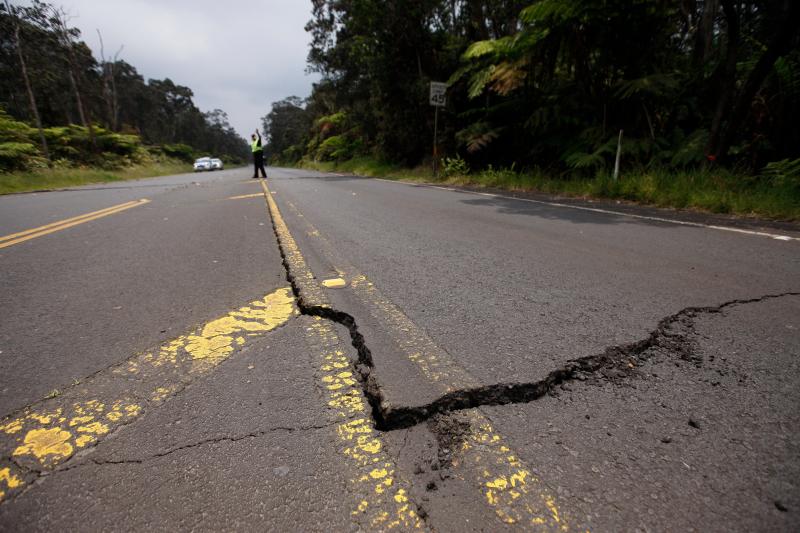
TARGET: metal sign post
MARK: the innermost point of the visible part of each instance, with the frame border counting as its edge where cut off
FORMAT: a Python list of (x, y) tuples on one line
[(438, 98)]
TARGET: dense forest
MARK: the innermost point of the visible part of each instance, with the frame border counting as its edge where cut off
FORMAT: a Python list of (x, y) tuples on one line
[(550, 84), (59, 102)]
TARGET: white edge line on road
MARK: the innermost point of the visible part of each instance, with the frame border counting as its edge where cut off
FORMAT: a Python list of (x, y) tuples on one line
[(774, 236)]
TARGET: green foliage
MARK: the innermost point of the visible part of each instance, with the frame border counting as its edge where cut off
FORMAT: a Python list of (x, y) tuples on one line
[(691, 151), (63, 175), (550, 83), (13, 130), (287, 127), (336, 148), (454, 166), (183, 152), (16, 155), (478, 136), (783, 174), (115, 98)]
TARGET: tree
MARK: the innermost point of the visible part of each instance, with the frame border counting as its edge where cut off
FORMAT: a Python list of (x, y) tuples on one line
[(286, 128), (14, 16)]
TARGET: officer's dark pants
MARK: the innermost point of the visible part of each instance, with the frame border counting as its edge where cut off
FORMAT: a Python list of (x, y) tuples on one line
[(258, 163)]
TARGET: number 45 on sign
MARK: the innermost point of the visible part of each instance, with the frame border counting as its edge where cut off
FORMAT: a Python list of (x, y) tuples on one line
[(438, 94)]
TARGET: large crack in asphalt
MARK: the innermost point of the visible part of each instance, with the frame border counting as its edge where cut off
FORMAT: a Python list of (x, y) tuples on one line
[(614, 361)]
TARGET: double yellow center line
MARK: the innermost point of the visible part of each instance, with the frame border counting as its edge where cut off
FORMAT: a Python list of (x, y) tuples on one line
[(22, 236)]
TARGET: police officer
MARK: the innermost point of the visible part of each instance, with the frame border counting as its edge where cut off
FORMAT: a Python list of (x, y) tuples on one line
[(258, 155)]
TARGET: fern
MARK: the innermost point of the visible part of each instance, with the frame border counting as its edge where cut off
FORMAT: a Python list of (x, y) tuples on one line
[(506, 77), (478, 136), (549, 10), (479, 81), (655, 85), (782, 173), (692, 150), (490, 47)]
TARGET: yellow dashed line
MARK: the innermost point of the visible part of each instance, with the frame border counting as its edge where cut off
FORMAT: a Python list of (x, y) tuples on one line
[(48, 435)]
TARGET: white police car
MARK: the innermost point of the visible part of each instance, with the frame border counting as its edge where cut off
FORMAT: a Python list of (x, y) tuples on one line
[(204, 163)]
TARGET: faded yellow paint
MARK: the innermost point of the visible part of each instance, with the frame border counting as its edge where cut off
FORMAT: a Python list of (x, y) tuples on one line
[(378, 509), (507, 484), (384, 503), (50, 443), (304, 279), (11, 427), (217, 338), (84, 440), (80, 420), (515, 494), (8, 479), (48, 436), (95, 428), (334, 283)]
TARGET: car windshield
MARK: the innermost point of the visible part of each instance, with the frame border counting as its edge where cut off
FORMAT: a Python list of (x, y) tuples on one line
[(202, 160)]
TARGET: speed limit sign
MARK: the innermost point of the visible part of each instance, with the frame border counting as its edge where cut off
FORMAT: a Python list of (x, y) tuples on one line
[(438, 96)]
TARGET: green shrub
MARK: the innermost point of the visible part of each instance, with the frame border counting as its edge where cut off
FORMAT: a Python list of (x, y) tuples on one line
[(337, 148), (14, 131), (785, 173), (17, 155), (184, 152), (454, 166)]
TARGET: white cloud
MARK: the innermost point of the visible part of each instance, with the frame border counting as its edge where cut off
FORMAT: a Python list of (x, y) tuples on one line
[(237, 56)]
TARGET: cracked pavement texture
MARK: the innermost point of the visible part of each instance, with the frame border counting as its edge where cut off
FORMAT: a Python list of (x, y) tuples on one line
[(81, 300), (705, 444), (248, 448), (511, 291), (697, 432)]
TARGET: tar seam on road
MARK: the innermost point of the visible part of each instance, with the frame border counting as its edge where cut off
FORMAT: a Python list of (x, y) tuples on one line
[(22, 236), (775, 236)]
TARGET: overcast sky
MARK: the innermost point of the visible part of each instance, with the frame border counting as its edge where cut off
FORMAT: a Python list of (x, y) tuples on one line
[(238, 56)]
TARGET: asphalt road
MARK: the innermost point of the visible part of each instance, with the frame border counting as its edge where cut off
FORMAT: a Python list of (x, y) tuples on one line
[(435, 359)]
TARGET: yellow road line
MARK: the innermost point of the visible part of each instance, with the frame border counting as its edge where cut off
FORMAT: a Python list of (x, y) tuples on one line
[(243, 196), (16, 238), (79, 217), (334, 283), (507, 484), (49, 433), (382, 496)]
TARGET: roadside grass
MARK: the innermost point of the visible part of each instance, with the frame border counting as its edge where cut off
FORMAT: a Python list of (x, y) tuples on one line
[(58, 178), (712, 190), (371, 167)]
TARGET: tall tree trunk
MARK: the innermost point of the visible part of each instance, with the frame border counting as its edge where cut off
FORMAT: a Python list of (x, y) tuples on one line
[(109, 85), (728, 79), (704, 36), (31, 96), (780, 45), (60, 18)]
